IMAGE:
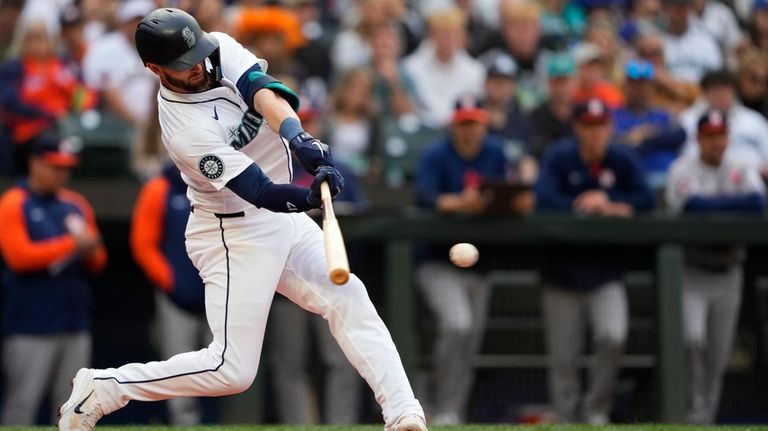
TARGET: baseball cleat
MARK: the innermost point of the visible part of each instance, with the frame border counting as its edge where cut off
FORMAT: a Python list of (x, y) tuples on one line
[(82, 410), (411, 422)]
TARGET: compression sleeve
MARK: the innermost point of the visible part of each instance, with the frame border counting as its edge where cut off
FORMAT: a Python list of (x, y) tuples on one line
[(254, 79), (255, 187)]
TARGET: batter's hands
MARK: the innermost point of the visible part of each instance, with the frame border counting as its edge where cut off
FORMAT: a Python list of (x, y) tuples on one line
[(312, 153), (335, 184)]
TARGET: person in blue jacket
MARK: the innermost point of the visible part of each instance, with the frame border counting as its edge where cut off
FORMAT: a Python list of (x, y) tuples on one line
[(653, 132), (588, 174)]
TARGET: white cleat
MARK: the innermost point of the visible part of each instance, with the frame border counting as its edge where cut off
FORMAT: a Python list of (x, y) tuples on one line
[(82, 410), (410, 422)]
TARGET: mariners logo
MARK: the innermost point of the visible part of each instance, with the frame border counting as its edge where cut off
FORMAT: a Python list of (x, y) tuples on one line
[(211, 166), (189, 37)]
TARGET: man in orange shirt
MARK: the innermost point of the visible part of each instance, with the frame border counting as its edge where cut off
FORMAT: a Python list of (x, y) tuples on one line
[(50, 243)]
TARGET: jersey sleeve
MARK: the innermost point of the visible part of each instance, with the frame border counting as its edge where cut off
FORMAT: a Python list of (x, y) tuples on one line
[(681, 184), (147, 233), (204, 155), (236, 59), (96, 260)]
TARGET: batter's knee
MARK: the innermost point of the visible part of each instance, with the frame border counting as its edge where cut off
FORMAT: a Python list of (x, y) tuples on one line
[(234, 381)]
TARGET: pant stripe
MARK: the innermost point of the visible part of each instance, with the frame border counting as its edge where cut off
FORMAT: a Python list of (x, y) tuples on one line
[(226, 312)]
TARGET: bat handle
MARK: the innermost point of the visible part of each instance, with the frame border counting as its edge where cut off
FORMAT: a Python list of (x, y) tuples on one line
[(326, 200)]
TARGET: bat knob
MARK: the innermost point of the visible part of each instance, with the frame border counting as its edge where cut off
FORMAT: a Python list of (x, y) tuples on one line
[(339, 276)]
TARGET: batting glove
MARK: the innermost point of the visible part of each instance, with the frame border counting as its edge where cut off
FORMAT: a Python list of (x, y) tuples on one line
[(312, 153), (335, 184)]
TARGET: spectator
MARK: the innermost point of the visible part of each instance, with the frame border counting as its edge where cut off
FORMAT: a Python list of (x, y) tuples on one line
[(747, 130), (707, 183), (603, 34), (758, 25), (157, 242), (719, 21), (291, 331), (587, 174), (670, 93), (521, 39), (552, 119), (353, 124), (113, 67), (689, 51), (643, 16), (394, 89), (38, 89), (73, 39), (651, 131), (505, 117), (314, 55), (562, 23), (591, 77), (274, 34), (752, 80), (441, 69), (351, 48), (448, 180), (50, 243), (10, 11)]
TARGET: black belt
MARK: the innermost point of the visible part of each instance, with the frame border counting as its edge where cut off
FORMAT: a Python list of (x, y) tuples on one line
[(224, 215)]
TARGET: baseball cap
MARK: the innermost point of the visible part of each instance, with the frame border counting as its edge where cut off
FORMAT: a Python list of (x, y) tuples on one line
[(56, 151), (593, 111), (760, 5), (132, 9), (559, 65), (585, 53), (712, 123), (501, 65), (469, 108), (639, 69)]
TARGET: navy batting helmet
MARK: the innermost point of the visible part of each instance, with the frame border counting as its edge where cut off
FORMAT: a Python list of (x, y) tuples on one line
[(172, 38)]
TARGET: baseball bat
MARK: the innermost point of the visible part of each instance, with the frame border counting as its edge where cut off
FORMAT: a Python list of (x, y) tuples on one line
[(335, 251)]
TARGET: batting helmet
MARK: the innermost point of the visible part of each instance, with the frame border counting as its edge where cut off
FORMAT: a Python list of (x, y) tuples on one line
[(172, 38)]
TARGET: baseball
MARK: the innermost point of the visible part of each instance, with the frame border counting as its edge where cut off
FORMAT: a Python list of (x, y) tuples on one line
[(463, 254)]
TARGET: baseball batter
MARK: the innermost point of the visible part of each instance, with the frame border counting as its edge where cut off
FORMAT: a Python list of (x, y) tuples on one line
[(230, 128)]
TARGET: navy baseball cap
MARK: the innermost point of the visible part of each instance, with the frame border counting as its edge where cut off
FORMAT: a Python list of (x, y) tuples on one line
[(593, 111), (57, 152), (469, 108), (760, 5), (639, 69), (712, 123)]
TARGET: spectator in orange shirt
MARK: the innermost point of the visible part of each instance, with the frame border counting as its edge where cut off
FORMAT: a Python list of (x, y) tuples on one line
[(50, 244), (38, 88)]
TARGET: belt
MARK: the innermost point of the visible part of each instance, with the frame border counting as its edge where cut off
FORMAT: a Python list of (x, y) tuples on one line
[(223, 215)]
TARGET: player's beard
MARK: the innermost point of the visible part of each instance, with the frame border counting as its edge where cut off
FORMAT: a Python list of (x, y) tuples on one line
[(202, 85)]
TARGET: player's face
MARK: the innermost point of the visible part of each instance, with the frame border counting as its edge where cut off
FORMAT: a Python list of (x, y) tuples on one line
[(468, 137), (712, 148), (48, 177), (192, 80), (593, 139)]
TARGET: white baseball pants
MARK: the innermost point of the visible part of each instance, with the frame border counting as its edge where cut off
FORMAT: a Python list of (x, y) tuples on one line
[(243, 261)]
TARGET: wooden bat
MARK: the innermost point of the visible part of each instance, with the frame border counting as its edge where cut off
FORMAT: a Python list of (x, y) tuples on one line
[(335, 251)]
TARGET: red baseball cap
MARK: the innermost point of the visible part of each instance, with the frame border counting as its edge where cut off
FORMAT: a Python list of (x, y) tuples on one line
[(469, 108), (593, 111), (713, 123)]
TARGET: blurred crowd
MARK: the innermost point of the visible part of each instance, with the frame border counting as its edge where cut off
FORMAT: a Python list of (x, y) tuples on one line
[(599, 107)]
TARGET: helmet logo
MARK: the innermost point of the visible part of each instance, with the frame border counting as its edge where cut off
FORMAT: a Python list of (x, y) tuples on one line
[(188, 36)]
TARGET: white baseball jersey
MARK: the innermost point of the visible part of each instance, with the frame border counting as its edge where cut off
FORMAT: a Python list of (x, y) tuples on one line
[(199, 131), (689, 176), (245, 255)]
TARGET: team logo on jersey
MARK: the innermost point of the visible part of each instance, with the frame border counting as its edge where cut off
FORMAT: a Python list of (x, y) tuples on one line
[(189, 37), (211, 166), (246, 131)]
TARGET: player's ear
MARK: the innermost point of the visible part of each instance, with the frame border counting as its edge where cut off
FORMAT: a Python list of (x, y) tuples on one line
[(157, 70)]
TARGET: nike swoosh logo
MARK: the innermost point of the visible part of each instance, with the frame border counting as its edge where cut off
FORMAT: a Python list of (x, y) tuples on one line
[(319, 147), (215, 114), (77, 407)]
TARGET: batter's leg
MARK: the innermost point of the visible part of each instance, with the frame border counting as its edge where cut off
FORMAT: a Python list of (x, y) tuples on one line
[(240, 261), (353, 320), (608, 310), (28, 363)]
